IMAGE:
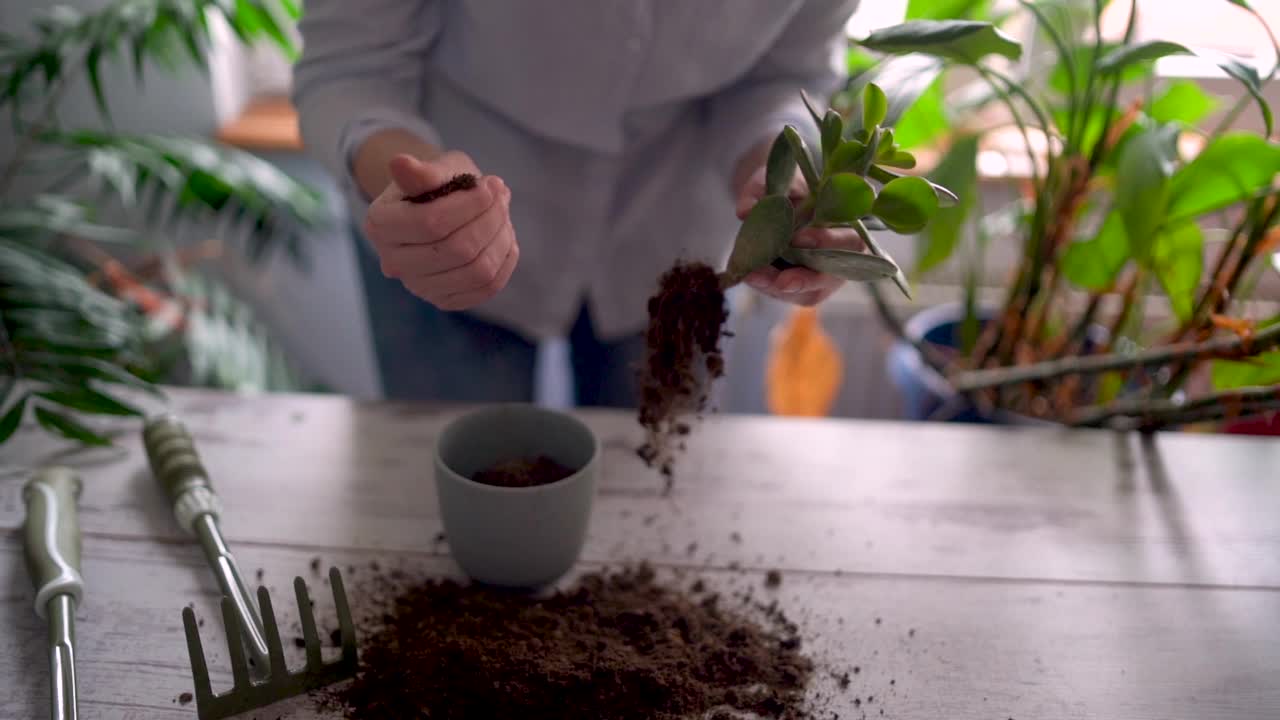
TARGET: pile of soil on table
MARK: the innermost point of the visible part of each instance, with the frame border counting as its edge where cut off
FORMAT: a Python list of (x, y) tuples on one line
[(615, 646), (524, 472), (686, 321)]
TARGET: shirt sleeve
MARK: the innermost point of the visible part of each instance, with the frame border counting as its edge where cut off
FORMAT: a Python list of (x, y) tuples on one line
[(361, 70), (809, 54)]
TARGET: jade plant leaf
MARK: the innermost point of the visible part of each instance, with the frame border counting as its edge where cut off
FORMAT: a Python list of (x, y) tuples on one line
[(843, 198), (832, 129), (800, 149), (963, 41), (875, 106), (906, 204), (946, 198), (762, 237), (1235, 166), (900, 159), (848, 264), (848, 155), (780, 167)]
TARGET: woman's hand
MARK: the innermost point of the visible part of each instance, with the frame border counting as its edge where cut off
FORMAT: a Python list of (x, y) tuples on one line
[(456, 251), (798, 285)]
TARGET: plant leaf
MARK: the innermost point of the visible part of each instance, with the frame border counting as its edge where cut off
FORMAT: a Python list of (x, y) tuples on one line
[(900, 159), (68, 427), (800, 149), (1142, 185), (808, 105), (832, 129), (763, 235), (957, 169), (86, 399), (12, 419), (848, 264), (780, 167), (843, 198), (1094, 263), (1260, 370), (946, 198), (906, 204), (87, 368), (849, 155), (1247, 75), (944, 9), (1131, 53), (962, 41), (904, 78), (1233, 167), (923, 122), (1179, 261), (899, 277), (875, 106), (1182, 101)]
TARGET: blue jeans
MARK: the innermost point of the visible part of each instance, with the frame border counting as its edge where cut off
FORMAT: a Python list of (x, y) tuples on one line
[(427, 355)]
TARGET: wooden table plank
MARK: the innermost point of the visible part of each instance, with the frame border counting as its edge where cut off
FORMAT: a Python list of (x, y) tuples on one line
[(953, 648), (870, 497)]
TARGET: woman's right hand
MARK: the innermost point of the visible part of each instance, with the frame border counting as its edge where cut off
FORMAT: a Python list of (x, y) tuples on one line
[(456, 251)]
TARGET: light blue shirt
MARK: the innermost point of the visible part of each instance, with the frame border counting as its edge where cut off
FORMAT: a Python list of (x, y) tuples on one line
[(616, 123)]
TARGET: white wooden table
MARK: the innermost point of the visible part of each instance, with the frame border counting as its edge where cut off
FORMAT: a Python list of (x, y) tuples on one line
[(969, 572)]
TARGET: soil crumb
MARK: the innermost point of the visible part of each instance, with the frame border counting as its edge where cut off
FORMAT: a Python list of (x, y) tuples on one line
[(617, 644), (686, 321), (524, 472), (185, 698), (772, 579), (464, 181)]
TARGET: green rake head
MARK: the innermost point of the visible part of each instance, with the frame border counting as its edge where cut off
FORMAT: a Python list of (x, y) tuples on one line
[(279, 684)]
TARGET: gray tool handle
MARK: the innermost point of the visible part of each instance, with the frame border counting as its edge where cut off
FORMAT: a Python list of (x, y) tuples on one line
[(177, 467), (53, 535)]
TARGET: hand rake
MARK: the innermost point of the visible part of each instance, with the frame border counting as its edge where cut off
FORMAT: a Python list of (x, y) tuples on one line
[(248, 694)]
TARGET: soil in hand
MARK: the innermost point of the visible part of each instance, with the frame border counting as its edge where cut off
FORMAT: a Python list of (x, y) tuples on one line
[(686, 322), (615, 646), (524, 472), (463, 181)]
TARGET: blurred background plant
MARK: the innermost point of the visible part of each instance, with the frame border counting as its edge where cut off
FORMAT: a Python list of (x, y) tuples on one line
[(1120, 201), (99, 301)]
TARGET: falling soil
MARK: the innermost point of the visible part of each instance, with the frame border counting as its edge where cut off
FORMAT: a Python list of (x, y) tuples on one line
[(686, 321), (616, 646), (523, 472), (464, 181)]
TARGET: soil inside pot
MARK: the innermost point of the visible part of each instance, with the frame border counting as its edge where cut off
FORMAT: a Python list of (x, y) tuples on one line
[(616, 645), (523, 472), (686, 321)]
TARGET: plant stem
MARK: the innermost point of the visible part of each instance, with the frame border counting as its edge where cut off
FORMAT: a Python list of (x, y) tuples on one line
[(1226, 348), (1151, 413), (934, 359)]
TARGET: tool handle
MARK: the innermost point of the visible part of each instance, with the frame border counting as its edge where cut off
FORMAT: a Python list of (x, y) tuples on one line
[(177, 467), (53, 535)]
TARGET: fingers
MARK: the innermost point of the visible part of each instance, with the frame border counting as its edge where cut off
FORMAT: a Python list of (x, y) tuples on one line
[(464, 300), (459, 248), (800, 286), (413, 176), (840, 238)]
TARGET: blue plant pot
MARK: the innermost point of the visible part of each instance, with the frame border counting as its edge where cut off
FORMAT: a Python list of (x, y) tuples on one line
[(924, 392)]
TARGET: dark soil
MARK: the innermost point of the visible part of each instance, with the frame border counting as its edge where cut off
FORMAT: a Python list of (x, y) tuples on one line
[(524, 472), (465, 181), (686, 321), (616, 645)]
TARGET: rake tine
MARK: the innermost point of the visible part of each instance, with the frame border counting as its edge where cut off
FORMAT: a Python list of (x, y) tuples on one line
[(195, 650), (346, 626), (308, 618), (239, 668), (274, 648)]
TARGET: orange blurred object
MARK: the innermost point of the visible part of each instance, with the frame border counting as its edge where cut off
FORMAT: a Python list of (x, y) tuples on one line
[(804, 369)]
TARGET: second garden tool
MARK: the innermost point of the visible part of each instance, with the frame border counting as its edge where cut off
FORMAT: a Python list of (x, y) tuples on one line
[(177, 467), (53, 558)]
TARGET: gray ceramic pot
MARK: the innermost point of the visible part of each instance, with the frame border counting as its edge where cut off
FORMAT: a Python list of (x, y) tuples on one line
[(515, 536)]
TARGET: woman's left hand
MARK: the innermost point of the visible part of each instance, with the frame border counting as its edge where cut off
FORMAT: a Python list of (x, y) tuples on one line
[(797, 285)]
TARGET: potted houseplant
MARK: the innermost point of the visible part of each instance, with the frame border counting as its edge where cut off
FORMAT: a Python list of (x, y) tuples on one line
[(1119, 205), (98, 302)]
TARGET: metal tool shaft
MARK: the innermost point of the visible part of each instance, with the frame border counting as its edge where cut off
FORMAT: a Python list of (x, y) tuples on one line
[(62, 657), (232, 585)]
